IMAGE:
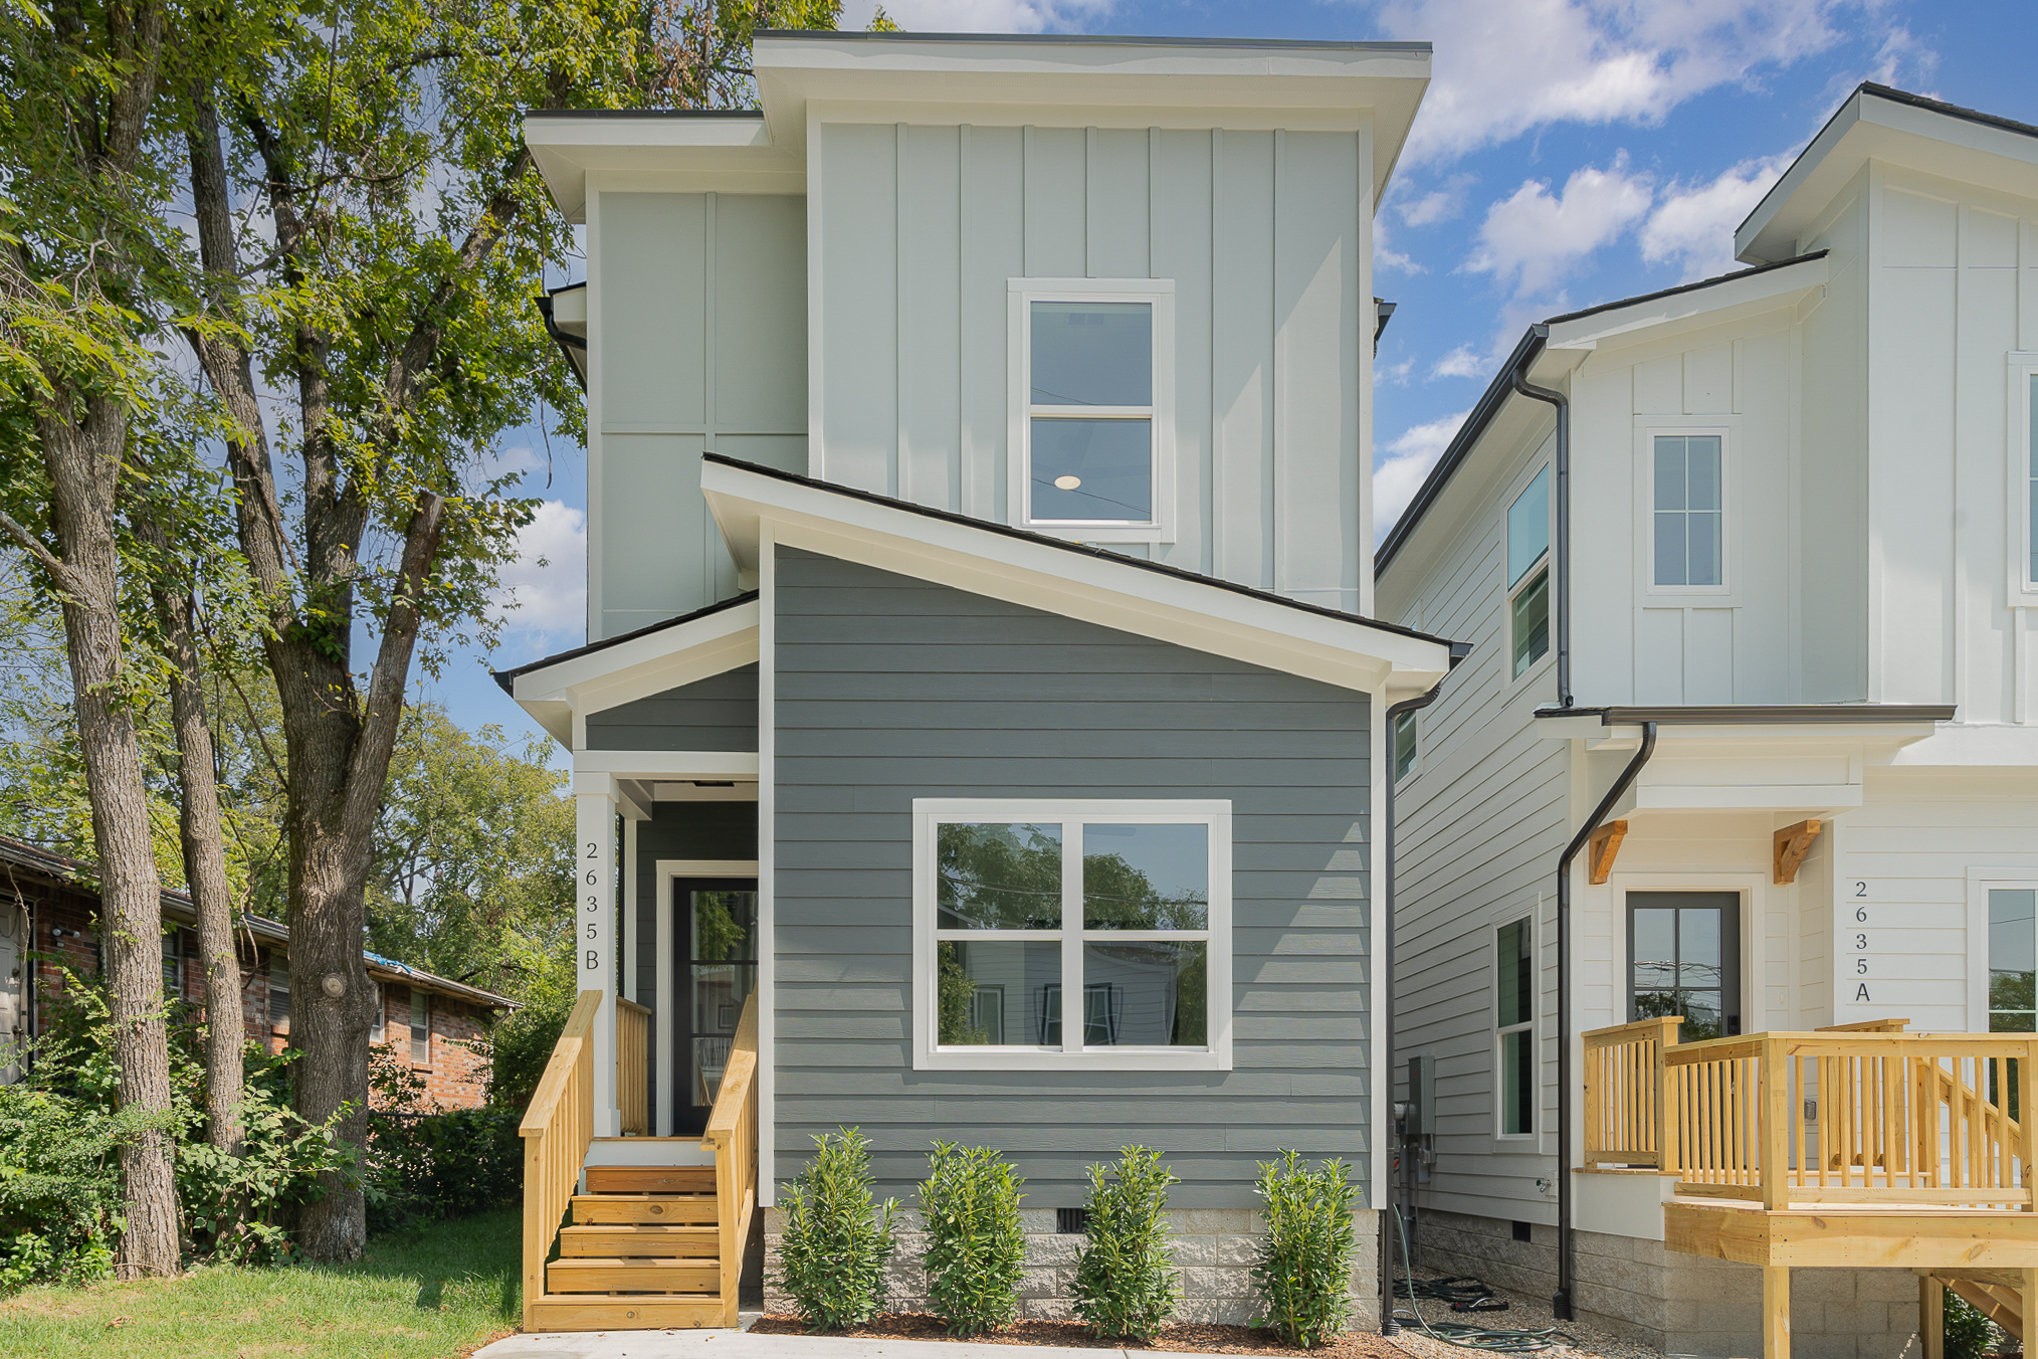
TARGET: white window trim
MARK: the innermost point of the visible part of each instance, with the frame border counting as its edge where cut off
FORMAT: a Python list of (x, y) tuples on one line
[(928, 1055), (1980, 882), (1533, 1028), (1645, 509), (1160, 294), (1543, 565), (378, 1031), (1414, 719), (2022, 457)]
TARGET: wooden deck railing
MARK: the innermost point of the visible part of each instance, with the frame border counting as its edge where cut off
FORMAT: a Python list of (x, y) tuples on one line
[(1624, 1093), (1861, 1115), (556, 1130), (633, 1068), (732, 1134)]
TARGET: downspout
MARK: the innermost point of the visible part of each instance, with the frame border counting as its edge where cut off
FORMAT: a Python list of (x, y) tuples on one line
[(1567, 1246), (1388, 1325), (1560, 581)]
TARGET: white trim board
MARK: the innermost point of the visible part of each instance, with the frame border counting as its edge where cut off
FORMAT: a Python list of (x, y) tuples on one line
[(561, 694)]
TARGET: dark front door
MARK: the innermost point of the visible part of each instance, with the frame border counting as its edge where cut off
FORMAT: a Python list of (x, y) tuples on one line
[(716, 971), (1684, 958)]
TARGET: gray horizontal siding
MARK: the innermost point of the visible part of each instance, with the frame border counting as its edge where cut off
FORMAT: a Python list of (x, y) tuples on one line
[(887, 689), (717, 713)]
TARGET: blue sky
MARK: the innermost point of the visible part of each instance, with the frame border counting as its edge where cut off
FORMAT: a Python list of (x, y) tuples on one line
[(1568, 152)]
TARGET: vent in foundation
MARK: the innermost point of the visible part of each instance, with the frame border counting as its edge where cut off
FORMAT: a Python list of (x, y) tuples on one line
[(1071, 1221), (1521, 1231)]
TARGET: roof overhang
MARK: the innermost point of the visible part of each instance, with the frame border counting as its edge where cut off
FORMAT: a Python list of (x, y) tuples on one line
[(687, 151), (755, 506), (559, 689), (1881, 124), (1734, 297)]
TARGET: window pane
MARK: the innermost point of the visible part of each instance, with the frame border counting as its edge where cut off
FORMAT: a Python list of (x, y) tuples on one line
[(2031, 453), (1699, 946), (1517, 1083), (1670, 473), (1531, 623), (2012, 949), (1702, 455), (1516, 979), (1092, 354), (1146, 994), (1023, 977), (1670, 551), (1146, 877), (724, 926), (1528, 527), (1093, 469), (1701, 1010), (1655, 950), (998, 877), (1404, 743), (1704, 547)]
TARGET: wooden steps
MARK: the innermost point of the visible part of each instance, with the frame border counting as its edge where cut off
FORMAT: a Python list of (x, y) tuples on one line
[(675, 1210), (643, 1251), (633, 1274), (651, 1179), (641, 1312), (1993, 1299), (639, 1239)]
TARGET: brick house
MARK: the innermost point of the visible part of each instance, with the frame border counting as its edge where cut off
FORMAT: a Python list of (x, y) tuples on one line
[(49, 911)]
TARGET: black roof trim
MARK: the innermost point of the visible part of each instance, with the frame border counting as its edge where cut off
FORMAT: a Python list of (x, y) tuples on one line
[(1458, 650), (1100, 40), (567, 115), (1761, 714), (1713, 282), (507, 678)]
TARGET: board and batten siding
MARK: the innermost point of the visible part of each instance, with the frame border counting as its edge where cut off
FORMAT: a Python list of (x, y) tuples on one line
[(1267, 237), (717, 713), (887, 689), (698, 342), (1480, 822)]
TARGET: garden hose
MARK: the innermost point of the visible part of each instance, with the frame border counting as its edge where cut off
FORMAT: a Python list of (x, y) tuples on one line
[(1463, 1295)]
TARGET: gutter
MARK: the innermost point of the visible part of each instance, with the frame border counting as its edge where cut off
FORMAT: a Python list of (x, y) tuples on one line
[(1561, 1304), (569, 345), (1560, 583)]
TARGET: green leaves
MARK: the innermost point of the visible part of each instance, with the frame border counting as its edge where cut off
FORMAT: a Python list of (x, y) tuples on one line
[(976, 1252), (1304, 1269), (837, 1240), (1125, 1278)]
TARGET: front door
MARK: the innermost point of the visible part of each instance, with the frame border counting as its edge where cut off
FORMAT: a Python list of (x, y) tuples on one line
[(716, 935), (1684, 951)]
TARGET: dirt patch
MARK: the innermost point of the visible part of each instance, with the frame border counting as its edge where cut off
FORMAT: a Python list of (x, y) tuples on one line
[(1179, 1336)]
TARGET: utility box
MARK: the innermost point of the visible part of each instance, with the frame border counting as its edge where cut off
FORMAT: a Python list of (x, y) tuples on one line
[(1420, 1121)]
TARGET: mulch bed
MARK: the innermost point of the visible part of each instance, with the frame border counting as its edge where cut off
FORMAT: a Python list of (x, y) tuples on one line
[(1196, 1339)]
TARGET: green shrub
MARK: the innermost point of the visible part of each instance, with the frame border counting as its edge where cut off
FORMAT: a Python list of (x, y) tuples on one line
[(975, 1249), (236, 1208), (59, 1188), (1304, 1271), (1125, 1278), (1969, 1334), (425, 1164), (837, 1240)]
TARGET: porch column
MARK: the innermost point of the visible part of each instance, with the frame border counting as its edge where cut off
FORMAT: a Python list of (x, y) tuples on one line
[(594, 933)]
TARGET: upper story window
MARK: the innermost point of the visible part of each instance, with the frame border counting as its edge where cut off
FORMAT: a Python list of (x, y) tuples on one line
[(1528, 573), (1689, 521), (2024, 479), (1405, 737), (1091, 385), (1514, 1027), (1021, 906)]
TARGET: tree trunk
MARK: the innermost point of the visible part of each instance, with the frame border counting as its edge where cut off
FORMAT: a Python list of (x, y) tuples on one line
[(204, 844), (83, 461)]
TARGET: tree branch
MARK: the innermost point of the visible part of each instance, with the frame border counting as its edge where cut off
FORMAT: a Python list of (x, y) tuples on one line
[(59, 574)]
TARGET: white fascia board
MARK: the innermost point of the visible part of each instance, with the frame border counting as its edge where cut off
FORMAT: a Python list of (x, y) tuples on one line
[(1779, 798), (672, 765), (643, 666), (1729, 300), (1721, 741), (660, 151), (1095, 588), (569, 309)]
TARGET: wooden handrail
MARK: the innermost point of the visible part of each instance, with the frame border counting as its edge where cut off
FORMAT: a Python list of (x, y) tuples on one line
[(732, 1135), (1625, 1093), (556, 1129), (633, 1068)]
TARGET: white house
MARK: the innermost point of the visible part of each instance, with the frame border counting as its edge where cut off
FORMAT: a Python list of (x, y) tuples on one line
[(1750, 567)]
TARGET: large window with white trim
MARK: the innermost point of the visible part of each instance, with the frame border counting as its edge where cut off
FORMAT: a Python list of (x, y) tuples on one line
[(1022, 906), (1528, 573), (1091, 383), (1514, 1025), (1688, 523)]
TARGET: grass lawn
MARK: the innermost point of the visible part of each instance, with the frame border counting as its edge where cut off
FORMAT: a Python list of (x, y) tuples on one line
[(435, 1293)]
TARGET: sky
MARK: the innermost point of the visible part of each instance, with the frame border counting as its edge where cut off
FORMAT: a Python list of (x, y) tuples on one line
[(1568, 152)]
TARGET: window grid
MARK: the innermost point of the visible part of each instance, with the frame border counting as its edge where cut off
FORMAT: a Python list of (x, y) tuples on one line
[(1527, 550), (420, 1027), (1688, 521)]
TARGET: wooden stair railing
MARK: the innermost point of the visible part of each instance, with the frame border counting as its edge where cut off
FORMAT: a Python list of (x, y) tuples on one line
[(1625, 1095), (633, 1068), (732, 1135), (556, 1131)]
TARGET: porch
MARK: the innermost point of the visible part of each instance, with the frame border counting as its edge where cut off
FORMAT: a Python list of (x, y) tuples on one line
[(1861, 1147), (634, 1232)]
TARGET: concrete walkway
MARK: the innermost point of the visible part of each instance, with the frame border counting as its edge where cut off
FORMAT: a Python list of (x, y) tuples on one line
[(744, 1345)]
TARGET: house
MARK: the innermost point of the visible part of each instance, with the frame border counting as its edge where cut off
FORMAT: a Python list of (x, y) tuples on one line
[(1748, 740), (49, 925), (981, 617)]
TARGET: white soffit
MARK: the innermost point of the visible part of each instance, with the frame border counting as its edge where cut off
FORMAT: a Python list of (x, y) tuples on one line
[(1093, 587), (731, 153), (662, 658), (1730, 299)]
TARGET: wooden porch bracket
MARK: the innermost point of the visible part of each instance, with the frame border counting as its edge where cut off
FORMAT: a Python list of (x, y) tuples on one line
[(1602, 850), (1793, 843)]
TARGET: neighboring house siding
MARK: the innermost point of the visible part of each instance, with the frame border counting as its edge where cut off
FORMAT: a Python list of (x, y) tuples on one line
[(699, 342), (1481, 821), (1265, 235), (888, 689), (717, 713)]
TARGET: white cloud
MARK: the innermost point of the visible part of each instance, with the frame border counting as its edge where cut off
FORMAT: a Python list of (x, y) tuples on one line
[(1438, 205), (1462, 362), (1505, 69), (542, 593), (1532, 238), (1399, 469), (1693, 224), (1394, 374), (981, 16), (1387, 257)]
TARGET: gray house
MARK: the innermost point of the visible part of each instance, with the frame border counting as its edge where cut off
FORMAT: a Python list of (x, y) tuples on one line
[(980, 733)]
